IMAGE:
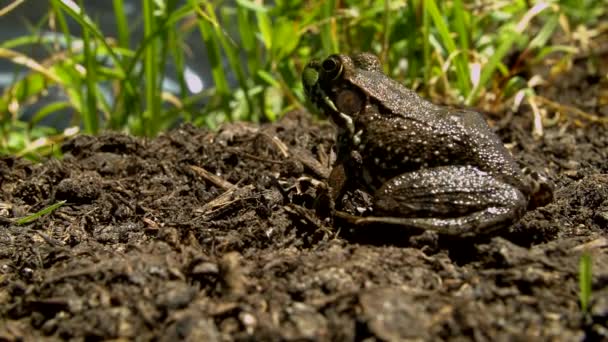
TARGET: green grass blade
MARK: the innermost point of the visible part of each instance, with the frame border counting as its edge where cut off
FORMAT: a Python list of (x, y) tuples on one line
[(30, 86), (174, 44), (247, 32), (584, 281), (48, 110), (502, 50), (411, 36), (63, 25), (264, 25), (129, 102), (77, 13), (24, 40), (151, 115), (268, 78), (231, 50), (213, 49), (90, 118), (461, 26), (35, 216), (545, 33), (173, 18), (385, 30), (122, 26), (489, 68), (462, 71), (24, 89), (426, 44), (79, 16), (329, 40)]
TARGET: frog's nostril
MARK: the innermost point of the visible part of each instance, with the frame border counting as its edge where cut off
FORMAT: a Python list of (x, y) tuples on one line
[(310, 77)]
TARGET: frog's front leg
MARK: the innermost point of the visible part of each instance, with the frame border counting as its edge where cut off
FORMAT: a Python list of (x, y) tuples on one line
[(340, 178), (454, 200)]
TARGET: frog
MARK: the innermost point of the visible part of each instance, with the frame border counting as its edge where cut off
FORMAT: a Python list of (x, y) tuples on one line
[(427, 166)]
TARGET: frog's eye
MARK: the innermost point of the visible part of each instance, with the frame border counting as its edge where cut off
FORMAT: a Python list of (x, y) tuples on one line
[(332, 67), (349, 102)]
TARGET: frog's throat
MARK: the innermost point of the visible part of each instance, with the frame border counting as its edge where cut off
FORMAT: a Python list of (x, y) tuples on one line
[(350, 125)]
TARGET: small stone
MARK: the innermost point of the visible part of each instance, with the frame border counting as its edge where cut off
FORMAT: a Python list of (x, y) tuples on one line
[(205, 268)]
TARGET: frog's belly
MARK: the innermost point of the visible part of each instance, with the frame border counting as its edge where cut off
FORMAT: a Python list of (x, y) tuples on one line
[(382, 163), (374, 176)]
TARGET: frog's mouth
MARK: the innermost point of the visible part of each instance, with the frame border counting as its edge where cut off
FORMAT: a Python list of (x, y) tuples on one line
[(314, 75)]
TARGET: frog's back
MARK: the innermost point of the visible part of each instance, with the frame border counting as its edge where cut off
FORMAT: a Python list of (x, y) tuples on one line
[(447, 136), (392, 95), (482, 147)]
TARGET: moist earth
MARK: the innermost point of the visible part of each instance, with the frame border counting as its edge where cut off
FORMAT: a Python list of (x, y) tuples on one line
[(212, 236)]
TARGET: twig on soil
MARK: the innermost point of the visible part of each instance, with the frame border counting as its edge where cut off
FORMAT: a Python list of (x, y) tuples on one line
[(601, 242), (224, 200), (301, 155), (86, 271), (321, 303), (307, 159), (216, 180), (251, 156), (279, 144), (49, 240), (303, 215), (151, 224), (538, 130), (562, 108)]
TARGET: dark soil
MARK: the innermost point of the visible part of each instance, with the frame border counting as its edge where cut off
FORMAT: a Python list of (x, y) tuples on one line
[(209, 236)]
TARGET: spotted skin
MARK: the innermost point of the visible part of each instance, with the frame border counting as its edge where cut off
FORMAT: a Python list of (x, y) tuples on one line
[(427, 166)]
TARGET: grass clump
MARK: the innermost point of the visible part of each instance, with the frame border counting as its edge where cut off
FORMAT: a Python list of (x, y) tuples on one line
[(460, 52)]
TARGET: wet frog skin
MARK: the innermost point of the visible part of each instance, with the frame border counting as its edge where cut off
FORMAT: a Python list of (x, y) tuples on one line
[(427, 166)]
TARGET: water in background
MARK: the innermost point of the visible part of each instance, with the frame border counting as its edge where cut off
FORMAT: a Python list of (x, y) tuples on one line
[(26, 17)]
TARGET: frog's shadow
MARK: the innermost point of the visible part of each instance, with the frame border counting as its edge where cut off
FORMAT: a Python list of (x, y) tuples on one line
[(462, 250)]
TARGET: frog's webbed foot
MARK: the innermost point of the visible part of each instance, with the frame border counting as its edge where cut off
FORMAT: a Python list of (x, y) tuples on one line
[(478, 223), (453, 200)]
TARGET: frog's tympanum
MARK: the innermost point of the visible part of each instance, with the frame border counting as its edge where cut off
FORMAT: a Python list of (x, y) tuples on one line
[(427, 166)]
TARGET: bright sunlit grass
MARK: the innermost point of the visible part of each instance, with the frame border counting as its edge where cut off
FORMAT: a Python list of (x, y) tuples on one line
[(450, 50)]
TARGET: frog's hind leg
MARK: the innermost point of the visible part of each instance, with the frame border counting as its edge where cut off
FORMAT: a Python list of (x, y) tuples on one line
[(454, 200)]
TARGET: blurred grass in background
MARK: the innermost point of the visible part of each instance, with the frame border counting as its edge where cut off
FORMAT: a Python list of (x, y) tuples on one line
[(459, 52)]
